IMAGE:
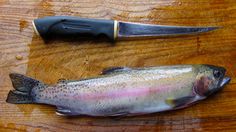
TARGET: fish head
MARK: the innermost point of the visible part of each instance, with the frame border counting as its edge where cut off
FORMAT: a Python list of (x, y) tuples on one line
[(209, 80)]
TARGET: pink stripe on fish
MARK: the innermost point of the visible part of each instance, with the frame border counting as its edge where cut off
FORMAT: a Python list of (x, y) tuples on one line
[(119, 94)]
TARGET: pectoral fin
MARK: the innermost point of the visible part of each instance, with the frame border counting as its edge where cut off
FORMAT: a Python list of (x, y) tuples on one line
[(180, 102)]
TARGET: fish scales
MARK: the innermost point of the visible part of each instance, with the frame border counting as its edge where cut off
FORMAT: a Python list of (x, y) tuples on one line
[(135, 88)]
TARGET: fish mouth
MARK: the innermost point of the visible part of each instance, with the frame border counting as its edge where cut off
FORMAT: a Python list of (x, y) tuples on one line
[(224, 81)]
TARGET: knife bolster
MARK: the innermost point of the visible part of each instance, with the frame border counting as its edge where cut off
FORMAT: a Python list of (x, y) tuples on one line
[(116, 29)]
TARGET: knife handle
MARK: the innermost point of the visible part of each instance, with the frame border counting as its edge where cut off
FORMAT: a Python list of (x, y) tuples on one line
[(76, 26)]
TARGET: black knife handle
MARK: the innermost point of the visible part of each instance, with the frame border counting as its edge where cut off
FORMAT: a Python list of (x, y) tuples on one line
[(76, 26)]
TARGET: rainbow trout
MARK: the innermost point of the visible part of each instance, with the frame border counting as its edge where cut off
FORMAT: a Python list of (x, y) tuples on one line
[(123, 91)]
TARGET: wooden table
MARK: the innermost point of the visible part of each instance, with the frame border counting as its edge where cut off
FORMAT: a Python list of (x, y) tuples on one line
[(23, 52)]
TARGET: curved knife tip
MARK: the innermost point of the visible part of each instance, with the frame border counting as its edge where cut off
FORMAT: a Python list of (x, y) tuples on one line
[(214, 28)]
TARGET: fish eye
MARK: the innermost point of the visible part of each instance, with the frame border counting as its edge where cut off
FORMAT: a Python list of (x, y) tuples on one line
[(216, 73)]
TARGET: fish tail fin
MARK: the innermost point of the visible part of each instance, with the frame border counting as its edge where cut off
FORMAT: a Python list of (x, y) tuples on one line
[(16, 97), (23, 86)]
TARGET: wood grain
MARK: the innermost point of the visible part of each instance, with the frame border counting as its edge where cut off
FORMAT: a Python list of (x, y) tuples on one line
[(73, 59)]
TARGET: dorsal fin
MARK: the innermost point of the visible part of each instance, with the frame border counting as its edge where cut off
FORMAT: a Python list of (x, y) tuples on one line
[(115, 70), (61, 80)]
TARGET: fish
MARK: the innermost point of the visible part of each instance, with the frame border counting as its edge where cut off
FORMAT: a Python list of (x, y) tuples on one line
[(123, 91)]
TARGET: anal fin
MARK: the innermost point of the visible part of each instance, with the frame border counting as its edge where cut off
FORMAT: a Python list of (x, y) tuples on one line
[(121, 114), (64, 112)]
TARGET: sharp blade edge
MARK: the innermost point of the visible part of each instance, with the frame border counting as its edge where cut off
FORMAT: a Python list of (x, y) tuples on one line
[(138, 30)]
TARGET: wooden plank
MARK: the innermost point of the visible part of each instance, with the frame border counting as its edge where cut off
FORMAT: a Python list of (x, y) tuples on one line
[(23, 52)]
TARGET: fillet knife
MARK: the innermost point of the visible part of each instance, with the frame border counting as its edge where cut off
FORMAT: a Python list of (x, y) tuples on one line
[(76, 26)]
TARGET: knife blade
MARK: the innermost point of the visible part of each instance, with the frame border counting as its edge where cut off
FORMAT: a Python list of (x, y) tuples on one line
[(67, 25)]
